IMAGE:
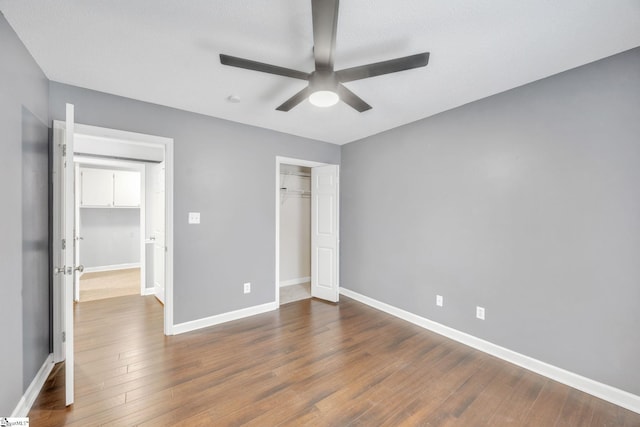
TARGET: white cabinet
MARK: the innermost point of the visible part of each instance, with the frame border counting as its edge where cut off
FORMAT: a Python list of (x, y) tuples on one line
[(126, 188), (109, 188), (96, 187)]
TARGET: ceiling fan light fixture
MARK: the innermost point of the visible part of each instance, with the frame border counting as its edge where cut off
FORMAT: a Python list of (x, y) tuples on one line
[(325, 85), (324, 98)]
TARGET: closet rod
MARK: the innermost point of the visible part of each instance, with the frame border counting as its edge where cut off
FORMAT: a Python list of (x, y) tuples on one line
[(303, 174)]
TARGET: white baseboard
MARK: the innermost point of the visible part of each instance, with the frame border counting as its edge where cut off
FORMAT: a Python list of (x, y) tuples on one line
[(222, 318), (297, 281), (26, 401), (111, 267), (149, 291), (595, 388)]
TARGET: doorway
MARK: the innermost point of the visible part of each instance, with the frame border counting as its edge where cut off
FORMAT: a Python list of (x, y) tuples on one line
[(295, 233), (111, 147), (110, 227), (307, 247)]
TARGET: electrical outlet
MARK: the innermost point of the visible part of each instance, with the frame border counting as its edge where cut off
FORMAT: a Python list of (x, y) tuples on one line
[(439, 300), (480, 312), (247, 288)]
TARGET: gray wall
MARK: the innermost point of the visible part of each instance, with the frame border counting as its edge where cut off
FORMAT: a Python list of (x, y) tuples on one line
[(109, 236), (23, 94), (225, 171), (35, 245), (526, 203)]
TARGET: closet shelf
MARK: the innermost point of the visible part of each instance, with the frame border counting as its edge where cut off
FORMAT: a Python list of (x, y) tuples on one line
[(300, 174), (108, 207), (286, 190)]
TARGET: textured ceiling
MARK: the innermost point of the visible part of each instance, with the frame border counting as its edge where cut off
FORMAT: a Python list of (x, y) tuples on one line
[(166, 52)]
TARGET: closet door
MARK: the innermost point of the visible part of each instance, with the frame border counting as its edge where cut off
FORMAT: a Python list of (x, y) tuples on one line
[(324, 233)]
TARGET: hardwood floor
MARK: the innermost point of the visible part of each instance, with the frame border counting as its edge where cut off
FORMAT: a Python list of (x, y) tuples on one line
[(109, 284), (310, 363), (293, 293)]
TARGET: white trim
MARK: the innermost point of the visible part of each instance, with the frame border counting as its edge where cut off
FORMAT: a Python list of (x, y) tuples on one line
[(119, 164), (111, 267), (30, 395), (168, 242), (297, 281), (587, 385), (148, 291), (297, 162), (77, 232), (158, 292), (143, 228), (108, 134), (224, 317)]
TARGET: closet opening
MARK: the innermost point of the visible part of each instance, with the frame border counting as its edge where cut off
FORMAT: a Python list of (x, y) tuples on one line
[(295, 233), (307, 230)]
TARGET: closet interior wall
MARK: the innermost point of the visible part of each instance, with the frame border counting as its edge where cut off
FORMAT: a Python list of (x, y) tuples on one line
[(295, 225)]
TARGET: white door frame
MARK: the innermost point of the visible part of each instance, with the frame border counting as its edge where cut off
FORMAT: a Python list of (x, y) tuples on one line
[(76, 230), (138, 139), (295, 162)]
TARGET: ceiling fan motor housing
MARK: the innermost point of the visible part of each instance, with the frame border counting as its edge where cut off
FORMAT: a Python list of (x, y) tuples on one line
[(323, 80)]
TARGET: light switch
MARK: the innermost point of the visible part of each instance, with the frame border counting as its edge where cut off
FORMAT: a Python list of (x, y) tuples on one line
[(194, 217)]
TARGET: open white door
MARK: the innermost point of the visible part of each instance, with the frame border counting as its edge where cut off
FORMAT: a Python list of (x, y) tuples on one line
[(68, 269), (324, 233), (158, 228)]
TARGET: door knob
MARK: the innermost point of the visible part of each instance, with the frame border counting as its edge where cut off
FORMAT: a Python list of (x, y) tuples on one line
[(80, 268), (58, 270)]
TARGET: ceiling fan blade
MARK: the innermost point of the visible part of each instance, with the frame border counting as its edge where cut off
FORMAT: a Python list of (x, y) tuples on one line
[(325, 25), (295, 99), (234, 61), (384, 67), (352, 99)]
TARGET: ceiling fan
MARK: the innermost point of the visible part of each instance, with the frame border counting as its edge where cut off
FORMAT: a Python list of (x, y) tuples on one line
[(325, 86)]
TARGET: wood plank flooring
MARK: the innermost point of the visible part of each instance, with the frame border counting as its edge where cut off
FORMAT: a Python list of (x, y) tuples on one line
[(309, 363), (109, 284), (293, 293)]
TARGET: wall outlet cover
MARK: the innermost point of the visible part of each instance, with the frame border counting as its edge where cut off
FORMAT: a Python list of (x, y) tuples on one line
[(480, 312), (439, 300), (194, 217), (247, 287)]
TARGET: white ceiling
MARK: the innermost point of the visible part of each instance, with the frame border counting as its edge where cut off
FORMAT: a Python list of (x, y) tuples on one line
[(166, 52)]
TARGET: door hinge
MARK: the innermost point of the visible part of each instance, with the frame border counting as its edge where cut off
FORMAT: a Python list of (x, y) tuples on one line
[(64, 244), (64, 336), (64, 150)]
